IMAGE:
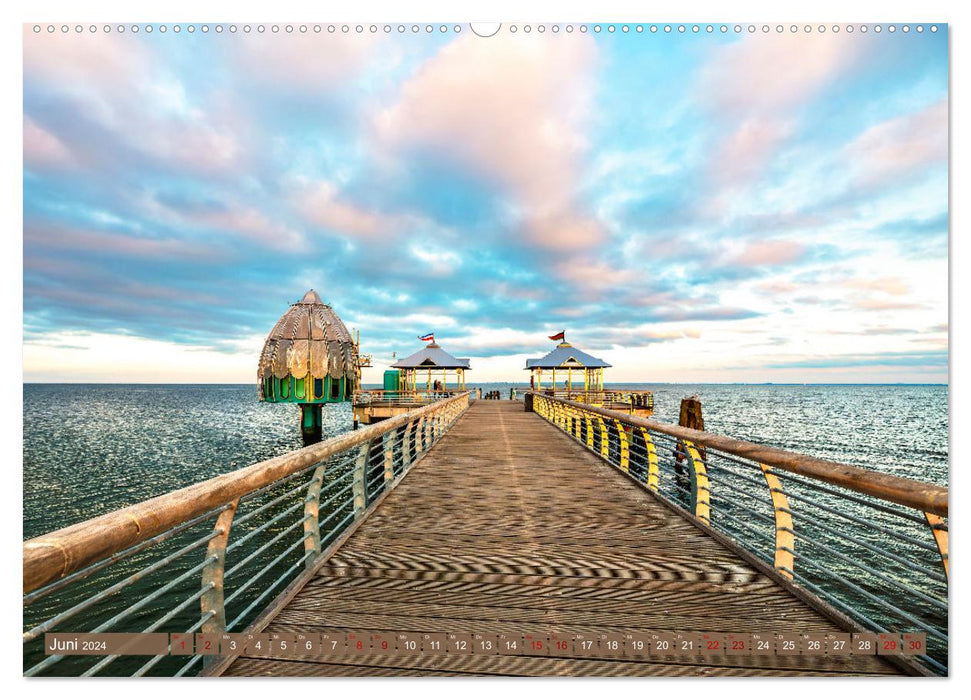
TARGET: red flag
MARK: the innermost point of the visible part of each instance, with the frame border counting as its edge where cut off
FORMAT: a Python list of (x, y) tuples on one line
[(559, 336)]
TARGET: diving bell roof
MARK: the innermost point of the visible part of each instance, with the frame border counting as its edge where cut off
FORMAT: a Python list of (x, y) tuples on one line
[(308, 339), (567, 356), (432, 357)]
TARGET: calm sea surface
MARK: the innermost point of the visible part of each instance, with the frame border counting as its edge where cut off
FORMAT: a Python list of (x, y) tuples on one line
[(92, 448)]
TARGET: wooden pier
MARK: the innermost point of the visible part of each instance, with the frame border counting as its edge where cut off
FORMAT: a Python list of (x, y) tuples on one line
[(508, 526), (543, 519)]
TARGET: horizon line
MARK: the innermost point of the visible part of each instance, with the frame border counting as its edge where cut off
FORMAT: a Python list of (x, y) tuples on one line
[(95, 383)]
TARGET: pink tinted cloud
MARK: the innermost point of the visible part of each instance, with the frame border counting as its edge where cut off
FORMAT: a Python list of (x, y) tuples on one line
[(42, 149), (887, 285), (775, 73), (512, 109), (115, 82), (772, 252), (749, 147), (903, 145), (756, 87), (305, 62), (61, 237), (778, 287), (320, 204), (251, 224), (84, 59), (595, 277), (885, 305)]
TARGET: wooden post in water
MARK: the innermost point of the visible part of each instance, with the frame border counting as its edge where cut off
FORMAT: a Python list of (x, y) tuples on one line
[(689, 417)]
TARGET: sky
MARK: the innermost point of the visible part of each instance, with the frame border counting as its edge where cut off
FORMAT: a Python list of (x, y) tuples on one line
[(728, 207)]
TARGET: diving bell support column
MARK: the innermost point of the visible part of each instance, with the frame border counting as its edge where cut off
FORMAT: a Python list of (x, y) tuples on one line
[(310, 422)]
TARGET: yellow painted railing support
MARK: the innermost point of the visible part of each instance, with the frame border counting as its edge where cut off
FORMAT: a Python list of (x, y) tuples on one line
[(785, 538), (653, 473), (624, 447), (700, 490), (589, 431), (604, 439), (940, 536)]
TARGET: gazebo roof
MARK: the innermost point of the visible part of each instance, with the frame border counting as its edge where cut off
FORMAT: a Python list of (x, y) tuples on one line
[(432, 357), (565, 355)]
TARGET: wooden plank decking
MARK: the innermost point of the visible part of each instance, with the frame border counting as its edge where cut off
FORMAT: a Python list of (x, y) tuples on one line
[(508, 526)]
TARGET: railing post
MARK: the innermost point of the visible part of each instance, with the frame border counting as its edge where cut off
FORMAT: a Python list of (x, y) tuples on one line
[(406, 452), (653, 473), (939, 530), (700, 493), (624, 447), (785, 537), (311, 508), (589, 431), (212, 601), (387, 440), (359, 480)]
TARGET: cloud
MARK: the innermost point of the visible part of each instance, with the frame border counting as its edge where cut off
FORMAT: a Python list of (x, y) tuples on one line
[(320, 204), (886, 305), (489, 189), (252, 224), (901, 146), (62, 238), (111, 100), (514, 109), (435, 261), (42, 149), (887, 285), (637, 337), (756, 87), (311, 62), (887, 359), (224, 215), (592, 277), (765, 253)]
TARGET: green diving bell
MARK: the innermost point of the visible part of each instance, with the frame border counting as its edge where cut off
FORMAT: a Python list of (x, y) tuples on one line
[(309, 359)]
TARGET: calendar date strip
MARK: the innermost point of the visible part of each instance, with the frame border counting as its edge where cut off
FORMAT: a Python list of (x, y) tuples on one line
[(624, 645)]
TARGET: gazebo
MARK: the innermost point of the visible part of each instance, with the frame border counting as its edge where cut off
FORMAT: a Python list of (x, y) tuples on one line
[(568, 360), (431, 363)]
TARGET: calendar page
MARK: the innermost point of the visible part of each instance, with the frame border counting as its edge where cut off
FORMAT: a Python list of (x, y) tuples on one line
[(609, 348)]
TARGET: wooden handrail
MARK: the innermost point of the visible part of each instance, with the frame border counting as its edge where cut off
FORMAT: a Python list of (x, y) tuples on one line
[(52, 556), (929, 498)]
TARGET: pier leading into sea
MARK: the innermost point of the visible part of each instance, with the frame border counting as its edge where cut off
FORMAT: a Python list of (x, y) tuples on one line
[(539, 537)]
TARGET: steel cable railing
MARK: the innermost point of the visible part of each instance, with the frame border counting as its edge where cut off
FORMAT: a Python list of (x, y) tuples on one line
[(871, 545), (210, 557)]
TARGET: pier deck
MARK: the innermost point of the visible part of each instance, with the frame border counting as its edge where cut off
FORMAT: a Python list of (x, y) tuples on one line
[(508, 526)]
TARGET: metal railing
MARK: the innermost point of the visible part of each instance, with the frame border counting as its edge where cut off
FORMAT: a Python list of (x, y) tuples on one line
[(869, 544), (381, 397), (208, 558), (613, 399)]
